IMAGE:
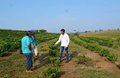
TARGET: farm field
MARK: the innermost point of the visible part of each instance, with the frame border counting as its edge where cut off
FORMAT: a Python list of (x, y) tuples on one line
[(92, 55)]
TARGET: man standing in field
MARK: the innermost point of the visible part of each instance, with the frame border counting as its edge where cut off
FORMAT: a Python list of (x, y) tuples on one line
[(64, 39), (27, 50)]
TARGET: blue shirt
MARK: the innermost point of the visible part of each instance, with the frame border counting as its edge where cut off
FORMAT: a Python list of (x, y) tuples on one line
[(25, 42), (34, 40)]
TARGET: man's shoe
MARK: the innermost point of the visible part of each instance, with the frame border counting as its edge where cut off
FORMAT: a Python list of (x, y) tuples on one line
[(32, 68), (60, 64), (29, 71), (67, 61)]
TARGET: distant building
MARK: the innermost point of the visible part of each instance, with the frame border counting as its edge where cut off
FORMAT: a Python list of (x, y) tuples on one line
[(42, 31)]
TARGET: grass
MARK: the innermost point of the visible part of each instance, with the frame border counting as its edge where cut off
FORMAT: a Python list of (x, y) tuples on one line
[(94, 40), (96, 48), (92, 73), (13, 66), (10, 66), (82, 59), (51, 72), (113, 34)]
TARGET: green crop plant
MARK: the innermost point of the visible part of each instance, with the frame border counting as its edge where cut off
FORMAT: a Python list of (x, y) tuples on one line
[(55, 61), (83, 60), (96, 48), (112, 57), (101, 41), (11, 40), (51, 72)]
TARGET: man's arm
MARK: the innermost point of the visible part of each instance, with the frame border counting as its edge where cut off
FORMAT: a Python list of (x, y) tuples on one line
[(58, 40), (29, 46)]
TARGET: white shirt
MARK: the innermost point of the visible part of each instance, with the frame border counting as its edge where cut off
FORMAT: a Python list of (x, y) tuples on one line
[(64, 39)]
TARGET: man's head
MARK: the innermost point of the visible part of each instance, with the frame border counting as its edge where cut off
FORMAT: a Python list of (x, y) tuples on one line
[(29, 33), (33, 32), (62, 31)]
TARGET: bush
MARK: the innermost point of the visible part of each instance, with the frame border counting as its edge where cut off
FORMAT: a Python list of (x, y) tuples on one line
[(4, 47), (11, 40), (55, 61), (83, 60), (53, 47), (104, 52), (112, 57), (93, 47), (52, 72), (53, 53)]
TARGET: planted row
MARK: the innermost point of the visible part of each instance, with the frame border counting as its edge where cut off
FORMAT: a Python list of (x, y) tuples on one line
[(53, 69), (103, 52), (82, 59), (54, 54), (11, 41), (101, 41)]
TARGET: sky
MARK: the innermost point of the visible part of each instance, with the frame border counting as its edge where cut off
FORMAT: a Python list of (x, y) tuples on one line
[(52, 15)]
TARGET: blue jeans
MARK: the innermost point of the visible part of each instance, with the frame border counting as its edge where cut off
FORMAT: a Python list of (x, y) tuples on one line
[(61, 53), (29, 62)]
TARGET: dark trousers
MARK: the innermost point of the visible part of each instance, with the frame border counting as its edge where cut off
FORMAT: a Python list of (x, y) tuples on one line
[(62, 48), (29, 62)]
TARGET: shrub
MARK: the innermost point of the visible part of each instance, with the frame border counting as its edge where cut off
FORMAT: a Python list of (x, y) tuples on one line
[(104, 52), (93, 47), (52, 72), (55, 61), (53, 47), (112, 57), (83, 60), (10, 40), (53, 53)]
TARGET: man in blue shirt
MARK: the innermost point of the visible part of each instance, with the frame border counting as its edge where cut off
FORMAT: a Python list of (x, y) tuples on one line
[(27, 50)]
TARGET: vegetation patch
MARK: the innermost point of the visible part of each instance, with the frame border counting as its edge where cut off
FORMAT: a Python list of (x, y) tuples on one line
[(93, 47), (101, 41), (91, 73), (51, 72), (11, 40), (83, 60)]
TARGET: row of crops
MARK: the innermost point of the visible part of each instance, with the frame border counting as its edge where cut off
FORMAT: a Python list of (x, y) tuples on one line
[(100, 41), (11, 40), (116, 42), (96, 48), (52, 69), (43, 37)]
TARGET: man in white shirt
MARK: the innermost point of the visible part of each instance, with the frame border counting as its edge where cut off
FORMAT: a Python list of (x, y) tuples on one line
[(64, 39)]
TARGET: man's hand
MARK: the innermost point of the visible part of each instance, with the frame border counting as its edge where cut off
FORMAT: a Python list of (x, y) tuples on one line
[(29, 46), (55, 44), (66, 47), (33, 46)]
